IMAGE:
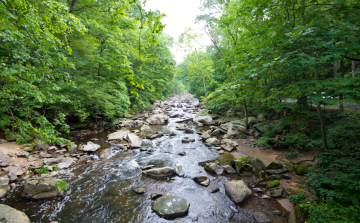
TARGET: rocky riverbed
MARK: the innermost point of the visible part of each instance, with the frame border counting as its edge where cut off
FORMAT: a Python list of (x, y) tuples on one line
[(172, 163)]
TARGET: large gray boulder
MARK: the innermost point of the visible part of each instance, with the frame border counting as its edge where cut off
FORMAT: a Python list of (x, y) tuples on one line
[(63, 163), (235, 128), (237, 191), (5, 160), (158, 119), (14, 172), (203, 120), (213, 141), (171, 206), (119, 135), (248, 166), (134, 140), (160, 172), (89, 147), (11, 215), (105, 153), (40, 188), (146, 129)]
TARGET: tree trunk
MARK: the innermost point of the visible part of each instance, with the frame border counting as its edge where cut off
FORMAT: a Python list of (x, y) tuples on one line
[(202, 76), (353, 68), (341, 96), (246, 114), (321, 117)]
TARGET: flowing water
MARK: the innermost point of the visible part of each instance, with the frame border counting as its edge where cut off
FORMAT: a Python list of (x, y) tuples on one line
[(101, 191)]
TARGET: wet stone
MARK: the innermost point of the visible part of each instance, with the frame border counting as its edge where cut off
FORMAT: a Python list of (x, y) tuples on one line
[(274, 166), (171, 206), (212, 188), (148, 167), (261, 217), (155, 196), (277, 192), (139, 190), (182, 154), (276, 212)]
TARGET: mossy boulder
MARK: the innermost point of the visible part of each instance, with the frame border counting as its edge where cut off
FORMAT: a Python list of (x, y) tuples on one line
[(41, 188), (171, 206), (273, 184), (300, 169), (9, 214), (237, 191), (248, 166), (299, 214)]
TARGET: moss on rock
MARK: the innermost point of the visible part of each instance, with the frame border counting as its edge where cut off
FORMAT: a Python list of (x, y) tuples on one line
[(300, 169), (273, 184)]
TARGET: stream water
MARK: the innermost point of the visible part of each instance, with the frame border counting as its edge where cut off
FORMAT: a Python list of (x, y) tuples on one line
[(101, 191)]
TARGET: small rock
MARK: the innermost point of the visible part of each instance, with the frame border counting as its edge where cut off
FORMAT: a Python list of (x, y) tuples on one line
[(178, 170), (276, 212), (274, 166), (202, 180), (139, 190), (22, 154), (221, 152), (277, 192), (155, 196), (4, 160), (147, 167), (261, 217), (182, 154), (212, 188), (229, 169)]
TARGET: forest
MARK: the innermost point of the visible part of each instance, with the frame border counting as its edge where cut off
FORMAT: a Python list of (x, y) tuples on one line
[(294, 61)]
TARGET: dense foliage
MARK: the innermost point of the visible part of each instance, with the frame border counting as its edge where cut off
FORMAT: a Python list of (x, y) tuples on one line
[(75, 61), (290, 60)]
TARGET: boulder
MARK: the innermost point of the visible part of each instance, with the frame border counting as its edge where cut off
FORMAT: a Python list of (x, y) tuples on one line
[(171, 206), (202, 180), (4, 186), (187, 140), (214, 168), (212, 188), (276, 192), (89, 147), (147, 167), (274, 166), (215, 133), (203, 120), (227, 148), (261, 127), (188, 130), (139, 190), (182, 126), (205, 136), (229, 142), (146, 129), (134, 140), (160, 172), (213, 141), (299, 214), (14, 172), (235, 128), (119, 135), (237, 191), (261, 217), (248, 166), (261, 118), (40, 188), (229, 169), (158, 119), (5, 160), (105, 153), (22, 154), (251, 121), (11, 215), (63, 163)]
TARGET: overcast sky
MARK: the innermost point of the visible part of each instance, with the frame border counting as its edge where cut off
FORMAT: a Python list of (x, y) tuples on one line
[(179, 15)]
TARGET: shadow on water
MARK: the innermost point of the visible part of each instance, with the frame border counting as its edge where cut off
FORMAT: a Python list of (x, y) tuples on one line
[(101, 191)]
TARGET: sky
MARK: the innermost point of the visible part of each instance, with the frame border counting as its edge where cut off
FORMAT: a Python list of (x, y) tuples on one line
[(179, 15)]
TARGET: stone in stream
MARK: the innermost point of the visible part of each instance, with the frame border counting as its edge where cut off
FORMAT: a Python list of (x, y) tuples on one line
[(182, 126), (160, 172), (172, 134), (274, 166), (202, 180), (261, 217), (146, 129), (277, 192), (248, 166), (171, 206), (39, 188), (237, 191), (158, 119), (89, 147), (187, 140), (178, 170), (203, 120), (213, 141), (105, 153), (11, 215), (134, 140), (4, 186), (139, 190), (154, 196), (182, 154), (119, 135), (205, 136), (212, 188), (214, 168), (229, 169), (188, 130), (5, 160), (147, 167), (215, 133)]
